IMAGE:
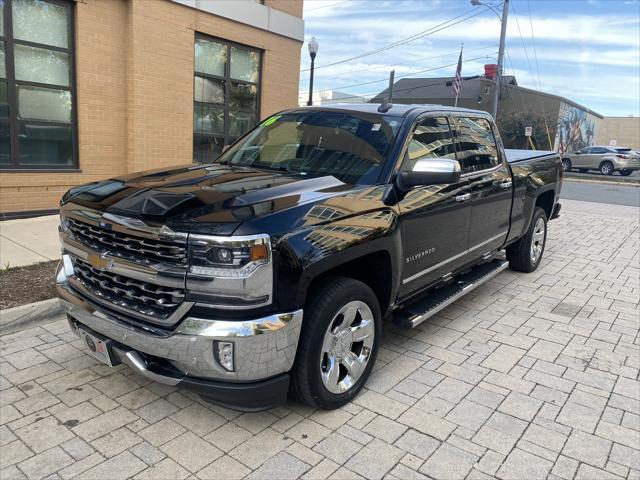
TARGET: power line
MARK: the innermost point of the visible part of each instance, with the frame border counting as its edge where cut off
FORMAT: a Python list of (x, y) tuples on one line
[(536, 81), (387, 67), (533, 41), (524, 47), (325, 6), (440, 82), (430, 31), (344, 87)]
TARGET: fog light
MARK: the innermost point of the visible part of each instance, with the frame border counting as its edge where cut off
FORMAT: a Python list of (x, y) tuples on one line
[(223, 351)]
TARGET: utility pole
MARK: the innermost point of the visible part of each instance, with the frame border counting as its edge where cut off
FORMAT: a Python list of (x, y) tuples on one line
[(503, 34)]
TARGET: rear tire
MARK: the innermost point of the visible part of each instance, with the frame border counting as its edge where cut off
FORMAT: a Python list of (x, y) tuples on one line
[(625, 172), (331, 367), (525, 255), (566, 165), (606, 168)]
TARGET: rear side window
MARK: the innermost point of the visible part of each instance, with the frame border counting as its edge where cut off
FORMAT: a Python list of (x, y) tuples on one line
[(431, 139), (599, 150), (475, 144)]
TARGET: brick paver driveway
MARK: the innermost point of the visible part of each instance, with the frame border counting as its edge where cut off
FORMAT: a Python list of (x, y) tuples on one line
[(530, 376)]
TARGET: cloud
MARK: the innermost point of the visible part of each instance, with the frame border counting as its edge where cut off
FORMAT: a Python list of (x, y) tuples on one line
[(590, 55)]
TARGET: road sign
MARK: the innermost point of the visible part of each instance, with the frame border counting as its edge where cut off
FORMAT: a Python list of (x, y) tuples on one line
[(613, 142), (528, 131)]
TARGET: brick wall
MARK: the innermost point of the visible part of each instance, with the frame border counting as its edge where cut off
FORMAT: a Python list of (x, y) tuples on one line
[(134, 62)]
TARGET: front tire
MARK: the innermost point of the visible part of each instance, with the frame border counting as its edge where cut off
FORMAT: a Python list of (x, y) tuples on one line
[(338, 343), (566, 165), (525, 255), (606, 168)]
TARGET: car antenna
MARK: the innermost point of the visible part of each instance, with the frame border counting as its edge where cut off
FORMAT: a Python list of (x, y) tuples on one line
[(386, 105)]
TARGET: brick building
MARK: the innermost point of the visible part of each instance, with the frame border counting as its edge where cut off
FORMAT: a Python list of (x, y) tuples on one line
[(91, 89), (620, 131)]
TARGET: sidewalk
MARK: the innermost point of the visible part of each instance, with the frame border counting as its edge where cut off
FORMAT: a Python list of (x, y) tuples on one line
[(529, 376), (28, 241)]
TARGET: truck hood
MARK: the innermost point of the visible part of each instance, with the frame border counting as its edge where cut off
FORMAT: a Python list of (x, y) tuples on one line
[(212, 199)]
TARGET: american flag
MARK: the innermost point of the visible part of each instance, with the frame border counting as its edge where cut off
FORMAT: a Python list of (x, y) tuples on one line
[(458, 80)]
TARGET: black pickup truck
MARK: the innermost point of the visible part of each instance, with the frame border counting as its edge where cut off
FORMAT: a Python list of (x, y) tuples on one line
[(270, 271)]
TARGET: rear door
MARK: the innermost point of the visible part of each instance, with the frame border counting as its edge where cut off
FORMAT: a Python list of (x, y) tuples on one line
[(596, 155), (489, 176), (434, 220)]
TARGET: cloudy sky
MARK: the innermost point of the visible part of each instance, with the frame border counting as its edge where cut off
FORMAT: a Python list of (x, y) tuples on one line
[(585, 50)]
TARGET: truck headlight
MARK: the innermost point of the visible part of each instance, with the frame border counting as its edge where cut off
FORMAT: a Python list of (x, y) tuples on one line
[(230, 272)]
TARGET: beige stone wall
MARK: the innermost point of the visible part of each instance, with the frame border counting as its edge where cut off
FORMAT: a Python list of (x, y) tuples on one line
[(625, 130), (134, 62), (292, 7)]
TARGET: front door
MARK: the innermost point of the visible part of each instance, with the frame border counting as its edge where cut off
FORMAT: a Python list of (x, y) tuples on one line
[(583, 159), (434, 220), (490, 181)]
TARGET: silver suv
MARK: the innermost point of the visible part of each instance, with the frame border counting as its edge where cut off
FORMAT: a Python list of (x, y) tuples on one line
[(607, 159)]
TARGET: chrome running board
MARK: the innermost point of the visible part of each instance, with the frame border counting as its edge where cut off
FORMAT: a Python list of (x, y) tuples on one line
[(416, 313)]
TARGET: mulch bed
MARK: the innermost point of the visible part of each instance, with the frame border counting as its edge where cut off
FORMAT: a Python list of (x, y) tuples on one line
[(22, 285)]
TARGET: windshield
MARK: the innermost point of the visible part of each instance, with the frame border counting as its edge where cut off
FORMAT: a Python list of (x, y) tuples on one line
[(350, 146)]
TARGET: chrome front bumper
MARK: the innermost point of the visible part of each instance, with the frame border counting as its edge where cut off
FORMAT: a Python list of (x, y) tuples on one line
[(263, 347)]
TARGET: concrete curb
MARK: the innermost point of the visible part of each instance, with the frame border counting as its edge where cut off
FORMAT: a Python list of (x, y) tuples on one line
[(18, 318), (611, 180)]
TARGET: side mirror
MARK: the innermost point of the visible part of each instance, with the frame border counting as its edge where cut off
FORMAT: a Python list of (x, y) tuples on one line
[(430, 172)]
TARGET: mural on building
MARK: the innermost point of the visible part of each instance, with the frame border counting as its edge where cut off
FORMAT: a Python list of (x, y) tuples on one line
[(576, 129)]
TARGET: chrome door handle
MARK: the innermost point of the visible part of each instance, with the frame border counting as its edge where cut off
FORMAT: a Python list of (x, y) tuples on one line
[(505, 185), (463, 198)]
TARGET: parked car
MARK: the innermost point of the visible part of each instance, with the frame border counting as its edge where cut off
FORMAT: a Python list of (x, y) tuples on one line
[(271, 270), (606, 159)]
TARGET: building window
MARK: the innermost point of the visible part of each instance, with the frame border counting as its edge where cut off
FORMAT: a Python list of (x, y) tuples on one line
[(226, 94), (37, 91)]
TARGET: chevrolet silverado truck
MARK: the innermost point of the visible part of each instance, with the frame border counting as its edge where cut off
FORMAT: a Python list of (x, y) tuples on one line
[(269, 272)]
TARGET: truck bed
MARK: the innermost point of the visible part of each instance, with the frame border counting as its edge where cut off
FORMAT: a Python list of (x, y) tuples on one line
[(514, 155)]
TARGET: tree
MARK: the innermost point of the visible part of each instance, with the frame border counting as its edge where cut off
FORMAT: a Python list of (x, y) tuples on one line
[(512, 126)]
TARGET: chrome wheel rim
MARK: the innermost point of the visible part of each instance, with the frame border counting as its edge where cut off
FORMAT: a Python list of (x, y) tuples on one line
[(565, 166), (606, 169), (347, 346), (537, 242)]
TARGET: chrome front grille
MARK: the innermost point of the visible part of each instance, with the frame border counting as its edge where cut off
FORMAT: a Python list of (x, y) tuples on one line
[(128, 246), (146, 299)]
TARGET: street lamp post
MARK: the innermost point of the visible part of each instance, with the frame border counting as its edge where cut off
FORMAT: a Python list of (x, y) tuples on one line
[(503, 34), (313, 49)]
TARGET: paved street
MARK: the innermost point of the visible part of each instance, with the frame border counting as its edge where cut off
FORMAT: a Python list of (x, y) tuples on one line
[(529, 376), (620, 194)]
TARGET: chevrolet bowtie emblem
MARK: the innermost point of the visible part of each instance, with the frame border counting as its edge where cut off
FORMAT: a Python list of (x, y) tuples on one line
[(101, 262)]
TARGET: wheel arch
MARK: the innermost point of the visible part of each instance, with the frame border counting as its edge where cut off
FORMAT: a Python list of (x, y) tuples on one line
[(546, 200), (373, 269)]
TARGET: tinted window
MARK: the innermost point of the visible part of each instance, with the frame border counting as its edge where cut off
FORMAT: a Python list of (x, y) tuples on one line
[(36, 85), (226, 95), (623, 150), (350, 147), (431, 139), (599, 150), (475, 144)]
